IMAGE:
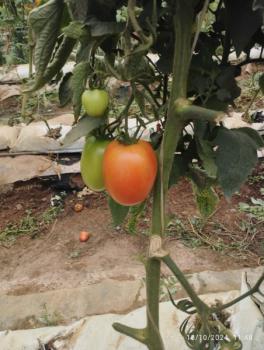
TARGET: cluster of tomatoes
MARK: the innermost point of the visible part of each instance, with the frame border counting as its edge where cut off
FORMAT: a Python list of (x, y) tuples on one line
[(126, 170)]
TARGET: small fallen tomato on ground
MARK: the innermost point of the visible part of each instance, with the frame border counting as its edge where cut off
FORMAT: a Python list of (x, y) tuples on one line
[(84, 236), (78, 207)]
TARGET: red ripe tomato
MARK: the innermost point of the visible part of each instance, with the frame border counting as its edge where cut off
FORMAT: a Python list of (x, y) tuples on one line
[(129, 171)]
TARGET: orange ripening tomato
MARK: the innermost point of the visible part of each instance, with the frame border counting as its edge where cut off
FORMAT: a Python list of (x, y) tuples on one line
[(84, 236), (129, 171)]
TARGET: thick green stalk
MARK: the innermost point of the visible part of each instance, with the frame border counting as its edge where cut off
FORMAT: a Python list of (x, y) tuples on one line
[(183, 20), (150, 335), (154, 340), (182, 50)]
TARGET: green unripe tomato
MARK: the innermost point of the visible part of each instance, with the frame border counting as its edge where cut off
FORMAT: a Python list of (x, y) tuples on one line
[(92, 163), (95, 102)]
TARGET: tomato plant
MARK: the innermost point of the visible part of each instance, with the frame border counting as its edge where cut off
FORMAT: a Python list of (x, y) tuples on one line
[(95, 102), (92, 163), (129, 171), (175, 58)]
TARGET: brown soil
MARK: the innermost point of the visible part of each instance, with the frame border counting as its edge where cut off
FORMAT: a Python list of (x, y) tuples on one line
[(56, 259), (10, 110)]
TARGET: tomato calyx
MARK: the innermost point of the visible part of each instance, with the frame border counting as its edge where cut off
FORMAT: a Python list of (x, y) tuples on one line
[(126, 139), (96, 82)]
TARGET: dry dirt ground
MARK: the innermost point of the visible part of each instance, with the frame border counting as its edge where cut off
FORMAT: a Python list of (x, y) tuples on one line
[(53, 258)]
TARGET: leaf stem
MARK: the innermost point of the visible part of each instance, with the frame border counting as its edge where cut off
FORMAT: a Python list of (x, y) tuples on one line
[(253, 290), (198, 303)]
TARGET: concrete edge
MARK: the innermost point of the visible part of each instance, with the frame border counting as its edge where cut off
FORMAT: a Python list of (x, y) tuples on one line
[(109, 296)]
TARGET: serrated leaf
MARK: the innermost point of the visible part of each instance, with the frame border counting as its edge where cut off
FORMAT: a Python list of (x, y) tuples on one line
[(85, 49), (236, 156), (78, 83), (206, 200), (119, 212), (45, 22), (138, 68), (65, 91), (84, 126), (76, 30), (207, 155), (55, 65), (200, 178)]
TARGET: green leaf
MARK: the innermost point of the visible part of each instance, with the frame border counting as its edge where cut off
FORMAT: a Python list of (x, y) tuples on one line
[(45, 22), (254, 135), (200, 178), (103, 28), (56, 64), (140, 99), (207, 155), (164, 64), (85, 48), (228, 88), (206, 200), (78, 83), (119, 212), (261, 83), (138, 68), (236, 156), (65, 91), (179, 169), (75, 30), (84, 126), (242, 22), (78, 9), (135, 213)]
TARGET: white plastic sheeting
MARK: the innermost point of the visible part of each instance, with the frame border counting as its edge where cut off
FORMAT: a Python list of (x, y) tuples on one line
[(8, 136), (248, 321), (33, 138), (96, 332), (21, 72), (7, 91), (26, 167)]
